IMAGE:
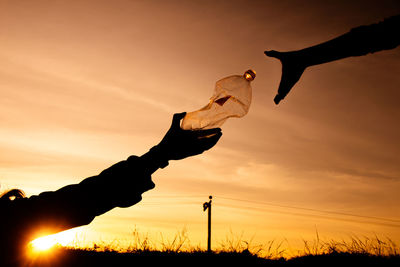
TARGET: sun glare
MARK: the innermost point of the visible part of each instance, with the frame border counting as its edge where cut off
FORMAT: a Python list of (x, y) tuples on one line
[(47, 242), (43, 243)]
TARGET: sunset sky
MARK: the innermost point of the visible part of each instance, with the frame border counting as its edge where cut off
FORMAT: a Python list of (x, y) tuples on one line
[(85, 84)]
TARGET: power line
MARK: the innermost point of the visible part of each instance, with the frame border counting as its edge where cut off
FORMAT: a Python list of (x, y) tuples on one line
[(313, 209), (384, 221), (177, 196), (315, 216)]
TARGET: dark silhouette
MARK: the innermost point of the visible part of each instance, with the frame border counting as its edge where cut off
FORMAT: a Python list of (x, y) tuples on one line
[(357, 42), (24, 219), (75, 258), (207, 206)]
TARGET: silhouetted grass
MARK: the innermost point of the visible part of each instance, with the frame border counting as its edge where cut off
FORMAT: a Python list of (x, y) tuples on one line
[(233, 251), (368, 246)]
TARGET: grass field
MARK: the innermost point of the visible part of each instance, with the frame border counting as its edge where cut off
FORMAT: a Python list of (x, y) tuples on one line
[(356, 252), (72, 257)]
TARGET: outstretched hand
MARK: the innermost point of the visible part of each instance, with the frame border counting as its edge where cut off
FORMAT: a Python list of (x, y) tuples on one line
[(179, 144), (292, 70)]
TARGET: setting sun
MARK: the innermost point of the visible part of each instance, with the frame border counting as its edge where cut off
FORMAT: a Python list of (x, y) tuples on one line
[(47, 242)]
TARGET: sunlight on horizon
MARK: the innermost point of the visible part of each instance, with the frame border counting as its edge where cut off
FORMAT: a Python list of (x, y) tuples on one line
[(47, 242)]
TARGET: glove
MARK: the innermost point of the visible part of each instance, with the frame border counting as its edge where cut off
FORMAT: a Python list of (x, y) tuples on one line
[(179, 144)]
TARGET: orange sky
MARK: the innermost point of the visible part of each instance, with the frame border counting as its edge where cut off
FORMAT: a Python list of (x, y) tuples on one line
[(85, 84)]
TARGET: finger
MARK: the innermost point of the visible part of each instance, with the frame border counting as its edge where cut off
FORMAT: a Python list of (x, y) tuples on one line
[(284, 87), (277, 99), (206, 136), (176, 120), (290, 76), (207, 143), (202, 133), (273, 53), (202, 145), (282, 91)]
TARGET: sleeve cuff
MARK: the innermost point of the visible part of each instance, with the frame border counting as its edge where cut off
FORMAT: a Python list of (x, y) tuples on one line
[(155, 159)]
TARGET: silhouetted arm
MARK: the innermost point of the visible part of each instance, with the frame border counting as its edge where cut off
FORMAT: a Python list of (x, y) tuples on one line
[(120, 185), (358, 42)]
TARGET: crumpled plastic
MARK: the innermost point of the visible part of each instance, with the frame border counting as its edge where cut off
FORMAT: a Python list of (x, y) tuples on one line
[(231, 98)]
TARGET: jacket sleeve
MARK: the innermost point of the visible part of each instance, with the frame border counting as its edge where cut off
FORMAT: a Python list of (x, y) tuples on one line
[(375, 37), (74, 205)]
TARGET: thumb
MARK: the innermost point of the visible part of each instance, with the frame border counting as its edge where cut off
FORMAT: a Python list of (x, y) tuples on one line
[(273, 53), (278, 99), (177, 119)]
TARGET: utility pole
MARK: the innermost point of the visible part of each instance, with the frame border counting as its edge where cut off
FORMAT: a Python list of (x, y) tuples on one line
[(207, 205)]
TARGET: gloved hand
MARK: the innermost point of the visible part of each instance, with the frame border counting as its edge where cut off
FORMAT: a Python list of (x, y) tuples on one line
[(179, 144)]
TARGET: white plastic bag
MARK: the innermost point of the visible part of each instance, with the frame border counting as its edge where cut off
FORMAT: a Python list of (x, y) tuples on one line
[(232, 98)]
